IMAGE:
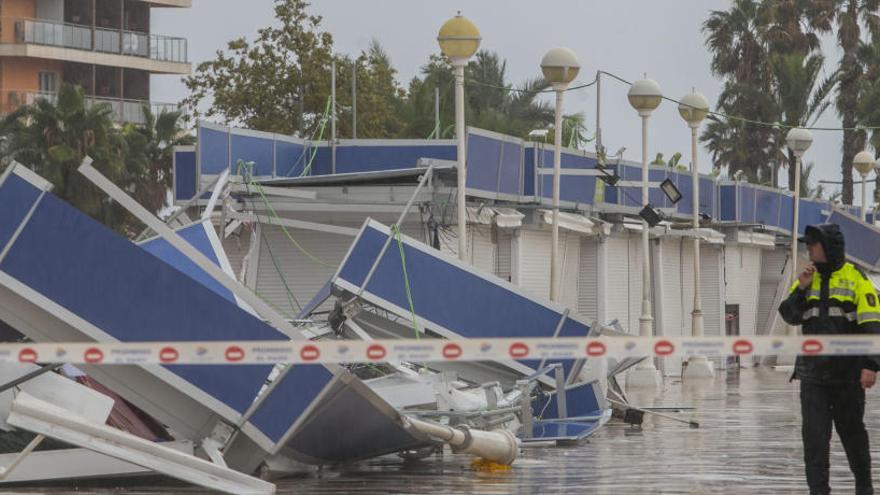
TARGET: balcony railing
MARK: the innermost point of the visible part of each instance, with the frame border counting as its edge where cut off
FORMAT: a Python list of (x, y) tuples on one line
[(124, 111), (152, 46)]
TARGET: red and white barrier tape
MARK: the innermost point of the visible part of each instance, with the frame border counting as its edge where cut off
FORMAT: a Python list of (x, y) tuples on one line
[(430, 350)]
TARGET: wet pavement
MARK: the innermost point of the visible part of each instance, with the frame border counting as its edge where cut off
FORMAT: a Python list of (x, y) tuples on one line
[(748, 442)]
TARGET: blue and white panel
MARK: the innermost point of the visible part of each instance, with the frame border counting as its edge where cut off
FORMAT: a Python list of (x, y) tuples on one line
[(746, 203), (185, 172), (494, 164), (363, 155), (504, 311), (768, 206), (579, 189), (124, 292), (862, 240), (727, 202), (812, 212), (630, 196)]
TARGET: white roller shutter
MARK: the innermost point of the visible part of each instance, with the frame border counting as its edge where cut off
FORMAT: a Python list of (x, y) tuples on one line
[(503, 253), (570, 254), (635, 282), (617, 290), (670, 298), (588, 279), (743, 273), (304, 276), (533, 264), (482, 247)]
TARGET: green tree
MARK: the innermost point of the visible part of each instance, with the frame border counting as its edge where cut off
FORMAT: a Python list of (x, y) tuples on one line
[(53, 137), (852, 18), (277, 83)]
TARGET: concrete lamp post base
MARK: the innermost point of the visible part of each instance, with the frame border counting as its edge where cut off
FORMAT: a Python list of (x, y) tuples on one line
[(698, 367), (647, 377)]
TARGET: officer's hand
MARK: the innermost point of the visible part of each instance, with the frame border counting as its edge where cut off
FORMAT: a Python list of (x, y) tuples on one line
[(868, 378), (806, 277)]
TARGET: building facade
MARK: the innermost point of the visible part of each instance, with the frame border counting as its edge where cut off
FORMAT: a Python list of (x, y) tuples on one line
[(105, 46)]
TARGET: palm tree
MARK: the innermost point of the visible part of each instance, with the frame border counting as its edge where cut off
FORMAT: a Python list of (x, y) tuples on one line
[(53, 137), (150, 156), (850, 16), (799, 97)]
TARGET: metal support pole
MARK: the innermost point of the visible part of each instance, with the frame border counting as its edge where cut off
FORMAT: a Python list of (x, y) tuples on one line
[(792, 330), (462, 151), (598, 110), (645, 320), (557, 165), (333, 116), (697, 315), (561, 399), (437, 113), (864, 197), (354, 101), (525, 402)]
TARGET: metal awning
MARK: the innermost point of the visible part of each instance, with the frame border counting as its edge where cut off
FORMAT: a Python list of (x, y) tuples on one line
[(502, 217), (569, 221)]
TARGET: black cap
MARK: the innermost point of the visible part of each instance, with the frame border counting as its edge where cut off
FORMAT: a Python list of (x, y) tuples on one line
[(811, 235)]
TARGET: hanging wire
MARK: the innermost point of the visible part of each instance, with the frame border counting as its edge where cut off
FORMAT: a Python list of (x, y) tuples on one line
[(518, 90), (776, 125)]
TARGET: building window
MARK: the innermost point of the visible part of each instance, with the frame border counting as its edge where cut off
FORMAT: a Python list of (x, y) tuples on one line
[(48, 82)]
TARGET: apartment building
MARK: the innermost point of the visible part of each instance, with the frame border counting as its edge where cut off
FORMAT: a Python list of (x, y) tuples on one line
[(106, 46)]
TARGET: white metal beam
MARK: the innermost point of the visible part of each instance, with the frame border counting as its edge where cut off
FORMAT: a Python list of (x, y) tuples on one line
[(289, 222), (284, 192), (215, 194), (43, 418)]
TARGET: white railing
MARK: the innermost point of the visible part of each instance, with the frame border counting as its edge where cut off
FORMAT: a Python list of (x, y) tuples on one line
[(124, 111), (153, 46)]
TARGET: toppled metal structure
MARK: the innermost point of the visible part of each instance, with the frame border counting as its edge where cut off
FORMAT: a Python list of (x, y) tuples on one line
[(64, 277)]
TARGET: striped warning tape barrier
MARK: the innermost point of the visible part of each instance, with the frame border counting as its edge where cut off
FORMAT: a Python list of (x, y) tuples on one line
[(430, 350)]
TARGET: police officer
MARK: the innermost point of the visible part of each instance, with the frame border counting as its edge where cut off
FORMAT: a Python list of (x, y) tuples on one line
[(832, 296)]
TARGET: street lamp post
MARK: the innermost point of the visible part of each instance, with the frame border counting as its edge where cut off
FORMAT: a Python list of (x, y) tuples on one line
[(645, 96), (560, 66), (863, 162), (798, 141), (693, 108), (459, 39)]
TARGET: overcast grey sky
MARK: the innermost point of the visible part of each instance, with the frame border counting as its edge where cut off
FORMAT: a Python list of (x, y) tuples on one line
[(625, 37)]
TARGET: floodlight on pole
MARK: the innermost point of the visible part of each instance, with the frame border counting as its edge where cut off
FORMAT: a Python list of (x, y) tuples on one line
[(645, 96)]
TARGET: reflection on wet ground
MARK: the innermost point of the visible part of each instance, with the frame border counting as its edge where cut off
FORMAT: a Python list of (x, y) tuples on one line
[(748, 442)]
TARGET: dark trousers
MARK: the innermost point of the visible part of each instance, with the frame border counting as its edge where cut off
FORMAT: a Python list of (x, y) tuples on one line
[(844, 405)]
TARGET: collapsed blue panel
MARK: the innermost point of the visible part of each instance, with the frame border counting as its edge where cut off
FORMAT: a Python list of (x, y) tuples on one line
[(563, 430), (501, 312), (291, 158), (483, 155), (510, 169), (322, 295), (707, 196), (355, 158), (197, 236), (289, 399), (133, 295), (727, 202), (328, 435), (862, 241), (746, 203), (185, 175), (580, 401), (254, 149), (767, 207), (213, 149), (17, 197)]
